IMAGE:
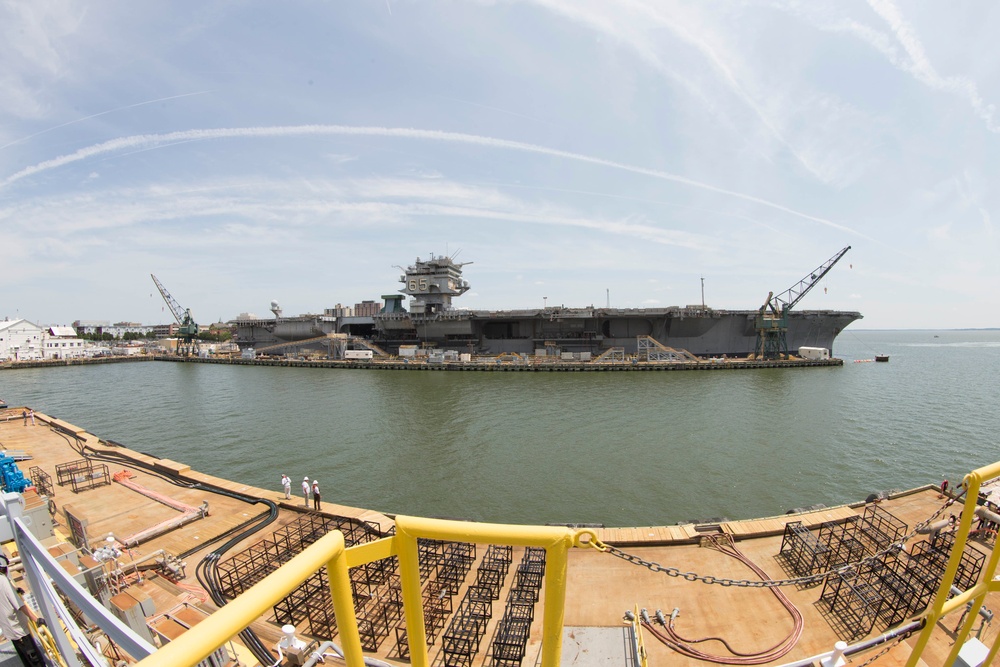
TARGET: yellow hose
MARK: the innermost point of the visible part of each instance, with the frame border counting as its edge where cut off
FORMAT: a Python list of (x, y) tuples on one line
[(48, 643)]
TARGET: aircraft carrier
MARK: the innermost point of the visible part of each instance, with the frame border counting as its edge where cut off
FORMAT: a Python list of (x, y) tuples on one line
[(432, 321)]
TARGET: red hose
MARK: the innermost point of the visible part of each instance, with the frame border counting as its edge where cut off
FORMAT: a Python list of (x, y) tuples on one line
[(669, 636)]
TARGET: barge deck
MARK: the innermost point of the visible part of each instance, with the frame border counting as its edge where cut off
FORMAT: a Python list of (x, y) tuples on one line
[(600, 587)]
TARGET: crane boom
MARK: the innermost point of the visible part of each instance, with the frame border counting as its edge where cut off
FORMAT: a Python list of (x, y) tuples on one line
[(188, 329), (791, 296), (175, 307), (772, 319)]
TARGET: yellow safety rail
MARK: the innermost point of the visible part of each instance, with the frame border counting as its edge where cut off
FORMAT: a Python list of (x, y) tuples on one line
[(638, 643), (556, 542), (987, 583), (203, 639)]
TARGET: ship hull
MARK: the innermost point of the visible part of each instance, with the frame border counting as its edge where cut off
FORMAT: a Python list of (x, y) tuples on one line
[(703, 333), (711, 333), (432, 321)]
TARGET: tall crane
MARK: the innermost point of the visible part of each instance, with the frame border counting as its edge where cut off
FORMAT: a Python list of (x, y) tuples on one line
[(772, 319), (187, 343)]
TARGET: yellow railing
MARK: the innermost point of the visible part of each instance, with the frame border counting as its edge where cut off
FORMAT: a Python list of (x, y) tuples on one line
[(330, 551), (202, 640), (987, 584)]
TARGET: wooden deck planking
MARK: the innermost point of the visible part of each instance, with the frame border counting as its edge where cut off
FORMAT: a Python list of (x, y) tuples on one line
[(776, 525)]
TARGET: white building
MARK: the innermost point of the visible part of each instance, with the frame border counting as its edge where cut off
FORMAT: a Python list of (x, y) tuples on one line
[(62, 343), (116, 330), (20, 340), (90, 326)]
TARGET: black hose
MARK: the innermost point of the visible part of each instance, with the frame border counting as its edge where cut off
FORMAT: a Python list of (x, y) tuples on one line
[(207, 571)]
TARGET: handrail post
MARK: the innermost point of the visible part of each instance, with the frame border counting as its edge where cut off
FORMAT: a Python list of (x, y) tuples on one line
[(836, 658), (555, 602), (413, 604), (343, 607)]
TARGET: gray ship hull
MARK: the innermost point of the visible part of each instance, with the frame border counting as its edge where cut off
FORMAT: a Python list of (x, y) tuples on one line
[(433, 322), (703, 333), (711, 333)]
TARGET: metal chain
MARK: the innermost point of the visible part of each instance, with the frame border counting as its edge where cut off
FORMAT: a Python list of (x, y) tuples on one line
[(879, 654), (769, 583), (889, 647)]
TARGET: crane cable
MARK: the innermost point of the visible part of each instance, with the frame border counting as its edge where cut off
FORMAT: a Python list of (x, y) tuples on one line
[(683, 645)]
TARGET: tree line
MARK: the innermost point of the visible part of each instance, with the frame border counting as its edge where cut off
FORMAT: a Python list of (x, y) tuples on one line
[(212, 335)]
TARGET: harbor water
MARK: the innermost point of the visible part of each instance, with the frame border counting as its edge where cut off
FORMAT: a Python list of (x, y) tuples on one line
[(612, 448)]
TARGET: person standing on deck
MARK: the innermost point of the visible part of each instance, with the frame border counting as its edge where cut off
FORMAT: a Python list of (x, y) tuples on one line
[(316, 505), (31, 413), (305, 490), (24, 416), (286, 484), (13, 628)]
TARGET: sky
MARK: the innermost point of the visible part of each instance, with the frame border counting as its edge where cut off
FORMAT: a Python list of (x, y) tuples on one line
[(572, 152)]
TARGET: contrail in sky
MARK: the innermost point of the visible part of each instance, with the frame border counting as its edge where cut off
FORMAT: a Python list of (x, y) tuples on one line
[(103, 113), (140, 141)]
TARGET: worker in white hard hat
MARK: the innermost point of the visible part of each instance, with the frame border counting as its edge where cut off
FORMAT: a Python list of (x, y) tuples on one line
[(305, 489)]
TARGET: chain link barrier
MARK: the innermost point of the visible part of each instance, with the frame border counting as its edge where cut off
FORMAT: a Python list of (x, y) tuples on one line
[(888, 647), (895, 547)]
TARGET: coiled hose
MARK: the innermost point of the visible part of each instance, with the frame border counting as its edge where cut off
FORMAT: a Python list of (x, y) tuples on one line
[(683, 645)]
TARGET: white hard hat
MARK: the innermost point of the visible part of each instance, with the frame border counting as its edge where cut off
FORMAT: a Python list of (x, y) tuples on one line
[(305, 479)]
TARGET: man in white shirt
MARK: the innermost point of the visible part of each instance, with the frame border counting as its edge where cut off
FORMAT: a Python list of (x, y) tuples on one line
[(11, 624)]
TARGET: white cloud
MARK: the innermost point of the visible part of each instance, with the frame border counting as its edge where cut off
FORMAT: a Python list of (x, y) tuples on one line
[(919, 65), (940, 233), (156, 141), (32, 49), (902, 48)]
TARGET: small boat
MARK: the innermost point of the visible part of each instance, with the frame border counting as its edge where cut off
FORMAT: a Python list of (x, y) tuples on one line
[(882, 357)]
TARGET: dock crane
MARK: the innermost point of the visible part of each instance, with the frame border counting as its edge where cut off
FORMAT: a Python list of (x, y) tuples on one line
[(772, 319), (187, 343)]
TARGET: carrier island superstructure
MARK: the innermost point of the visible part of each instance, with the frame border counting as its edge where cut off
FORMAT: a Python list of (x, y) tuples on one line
[(432, 320)]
